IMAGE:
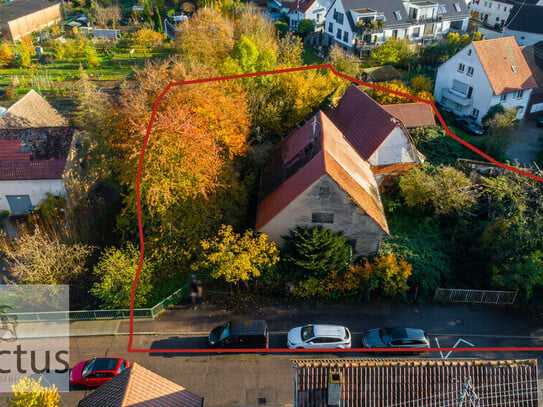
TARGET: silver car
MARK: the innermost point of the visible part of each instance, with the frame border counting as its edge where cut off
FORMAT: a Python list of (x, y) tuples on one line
[(319, 337)]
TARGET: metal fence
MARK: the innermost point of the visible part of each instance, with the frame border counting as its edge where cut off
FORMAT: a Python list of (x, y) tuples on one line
[(139, 313), (475, 296)]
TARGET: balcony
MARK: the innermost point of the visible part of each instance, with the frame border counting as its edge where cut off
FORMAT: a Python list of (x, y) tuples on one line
[(457, 97)]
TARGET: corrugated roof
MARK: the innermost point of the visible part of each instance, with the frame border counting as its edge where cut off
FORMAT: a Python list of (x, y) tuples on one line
[(305, 156), (421, 382), (31, 110), (138, 386), (412, 114), (504, 65), (527, 18), (15, 9), (15, 170), (363, 122)]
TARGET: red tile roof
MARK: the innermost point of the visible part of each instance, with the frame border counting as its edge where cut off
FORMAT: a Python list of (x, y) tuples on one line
[(10, 150), (138, 386), (363, 122), (16, 170), (304, 157), (421, 382), (412, 115), (504, 65), (302, 5)]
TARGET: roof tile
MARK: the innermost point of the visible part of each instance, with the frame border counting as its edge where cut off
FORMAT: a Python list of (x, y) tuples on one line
[(15, 170), (412, 115)]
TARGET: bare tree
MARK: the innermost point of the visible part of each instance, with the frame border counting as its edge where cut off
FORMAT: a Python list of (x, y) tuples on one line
[(103, 16)]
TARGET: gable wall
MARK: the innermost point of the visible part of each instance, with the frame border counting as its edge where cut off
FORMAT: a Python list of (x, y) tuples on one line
[(348, 217), (395, 149)]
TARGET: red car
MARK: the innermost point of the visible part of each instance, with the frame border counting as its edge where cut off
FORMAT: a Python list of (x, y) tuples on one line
[(97, 371)]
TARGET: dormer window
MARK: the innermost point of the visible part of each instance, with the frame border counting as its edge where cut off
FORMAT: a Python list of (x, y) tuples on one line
[(441, 9), (514, 68), (457, 7), (398, 15)]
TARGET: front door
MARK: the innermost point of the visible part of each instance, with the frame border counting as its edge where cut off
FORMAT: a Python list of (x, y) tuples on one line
[(19, 203)]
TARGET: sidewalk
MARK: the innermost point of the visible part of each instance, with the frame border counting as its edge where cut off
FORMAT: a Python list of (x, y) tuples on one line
[(468, 320)]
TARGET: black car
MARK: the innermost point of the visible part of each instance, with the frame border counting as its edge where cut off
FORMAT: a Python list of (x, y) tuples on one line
[(396, 338), (469, 126), (240, 334)]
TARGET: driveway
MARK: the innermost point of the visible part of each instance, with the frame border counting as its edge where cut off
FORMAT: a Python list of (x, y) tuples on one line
[(525, 143)]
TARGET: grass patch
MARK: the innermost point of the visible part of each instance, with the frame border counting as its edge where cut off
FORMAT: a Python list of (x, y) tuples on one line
[(310, 58)]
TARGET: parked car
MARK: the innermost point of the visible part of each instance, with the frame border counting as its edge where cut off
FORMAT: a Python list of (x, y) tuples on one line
[(540, 122), (241, 334), (319, 337), (97, 371), (396, 338), (469, 126)]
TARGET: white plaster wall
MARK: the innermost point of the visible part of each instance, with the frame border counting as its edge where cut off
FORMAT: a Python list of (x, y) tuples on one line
[(338, 6), (494, 9), (512, 102), (348, 217), (395, 149), (36, 189), (524, 38)]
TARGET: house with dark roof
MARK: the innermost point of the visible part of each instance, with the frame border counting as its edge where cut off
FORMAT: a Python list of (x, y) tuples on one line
[(363, 24), (483, 74), (22, 17), (525, 23), (422, 382), (534, 58), (138, 386), (314, 10), (34, 144), (315, 177)]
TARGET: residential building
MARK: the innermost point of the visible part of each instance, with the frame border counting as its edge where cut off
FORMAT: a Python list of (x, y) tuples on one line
[(137, 386), (483, 74), (420, 382), (22, 17), (534, 58), (491, 12), (314, 10), (525, 23), (34, 144), (315, 177), (362, 24)]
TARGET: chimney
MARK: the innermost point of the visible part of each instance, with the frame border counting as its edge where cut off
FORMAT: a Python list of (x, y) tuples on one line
[(335, 384)]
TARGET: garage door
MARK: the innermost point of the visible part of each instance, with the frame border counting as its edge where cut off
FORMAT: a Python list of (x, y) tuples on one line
[(19, 203)]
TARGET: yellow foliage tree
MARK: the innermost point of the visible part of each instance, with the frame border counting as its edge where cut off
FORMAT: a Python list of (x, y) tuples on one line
[(392, 274), (6, 54), (30, 392), (147, 39), (237, 257)]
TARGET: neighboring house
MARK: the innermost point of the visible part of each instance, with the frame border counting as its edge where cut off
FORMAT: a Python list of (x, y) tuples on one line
[(376, 135), (421, 382), (314, 10), (380, 74), (483, 74), (412, 115), (525, 23), (315, 177), (22, 17), (137, 386), (34, 144), (363, 24), (492, 13), (534, 58)]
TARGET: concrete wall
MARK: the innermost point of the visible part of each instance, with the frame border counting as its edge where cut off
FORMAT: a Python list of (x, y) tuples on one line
[(348, 217), (35, 21), (395, 149), (36, 189)]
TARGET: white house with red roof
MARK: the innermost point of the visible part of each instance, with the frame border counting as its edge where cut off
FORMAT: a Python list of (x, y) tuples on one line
[(314, 10), (34, 144), (483, 74)]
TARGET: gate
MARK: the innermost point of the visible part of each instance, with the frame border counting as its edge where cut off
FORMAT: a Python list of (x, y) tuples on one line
[(475, 296)]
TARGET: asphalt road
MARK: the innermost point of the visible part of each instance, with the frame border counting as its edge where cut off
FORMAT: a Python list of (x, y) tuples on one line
[(244, 379)]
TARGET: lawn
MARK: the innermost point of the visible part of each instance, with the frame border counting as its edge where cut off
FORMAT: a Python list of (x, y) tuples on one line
[(310, 58)]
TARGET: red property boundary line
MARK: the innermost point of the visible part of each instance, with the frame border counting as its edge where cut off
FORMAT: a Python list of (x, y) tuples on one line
[(249, 75)]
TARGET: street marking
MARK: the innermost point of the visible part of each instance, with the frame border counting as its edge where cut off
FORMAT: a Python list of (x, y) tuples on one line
[(455, 345)]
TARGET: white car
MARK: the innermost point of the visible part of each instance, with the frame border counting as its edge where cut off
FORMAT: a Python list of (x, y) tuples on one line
[(319, 337)]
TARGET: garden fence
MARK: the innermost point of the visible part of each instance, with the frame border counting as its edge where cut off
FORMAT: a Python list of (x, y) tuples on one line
[(475, 296)]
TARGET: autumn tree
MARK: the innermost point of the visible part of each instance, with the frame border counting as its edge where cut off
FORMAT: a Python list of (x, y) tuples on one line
[(6, 54), (344, 62), (455, 42), (444, 189), (499, 128), (115, 272), (30, 392), (237, 257), (26, 52), (392, 52), (391, 274), (146, 40), (387, 98), (282, 28)]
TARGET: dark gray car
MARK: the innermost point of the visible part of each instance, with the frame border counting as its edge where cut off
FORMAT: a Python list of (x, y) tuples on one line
[(469, 126), (396, 338)]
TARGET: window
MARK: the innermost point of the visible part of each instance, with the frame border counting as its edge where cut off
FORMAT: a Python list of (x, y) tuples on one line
[(514, 68), (441, 9), (490, 5), (338, 34), (475, 113), (519, 94), (331, 28), (382, 17), (338, 17), (504, 8), (486, 3), (324, 191), (322, 217), (470, 71), (469, 51), (416, 32), (461, 67), (398, 15), (460, 87), (499, 5), (394, 33), (318, 17), (345, 36), (503, 97), (497, 19), (457, 7)]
